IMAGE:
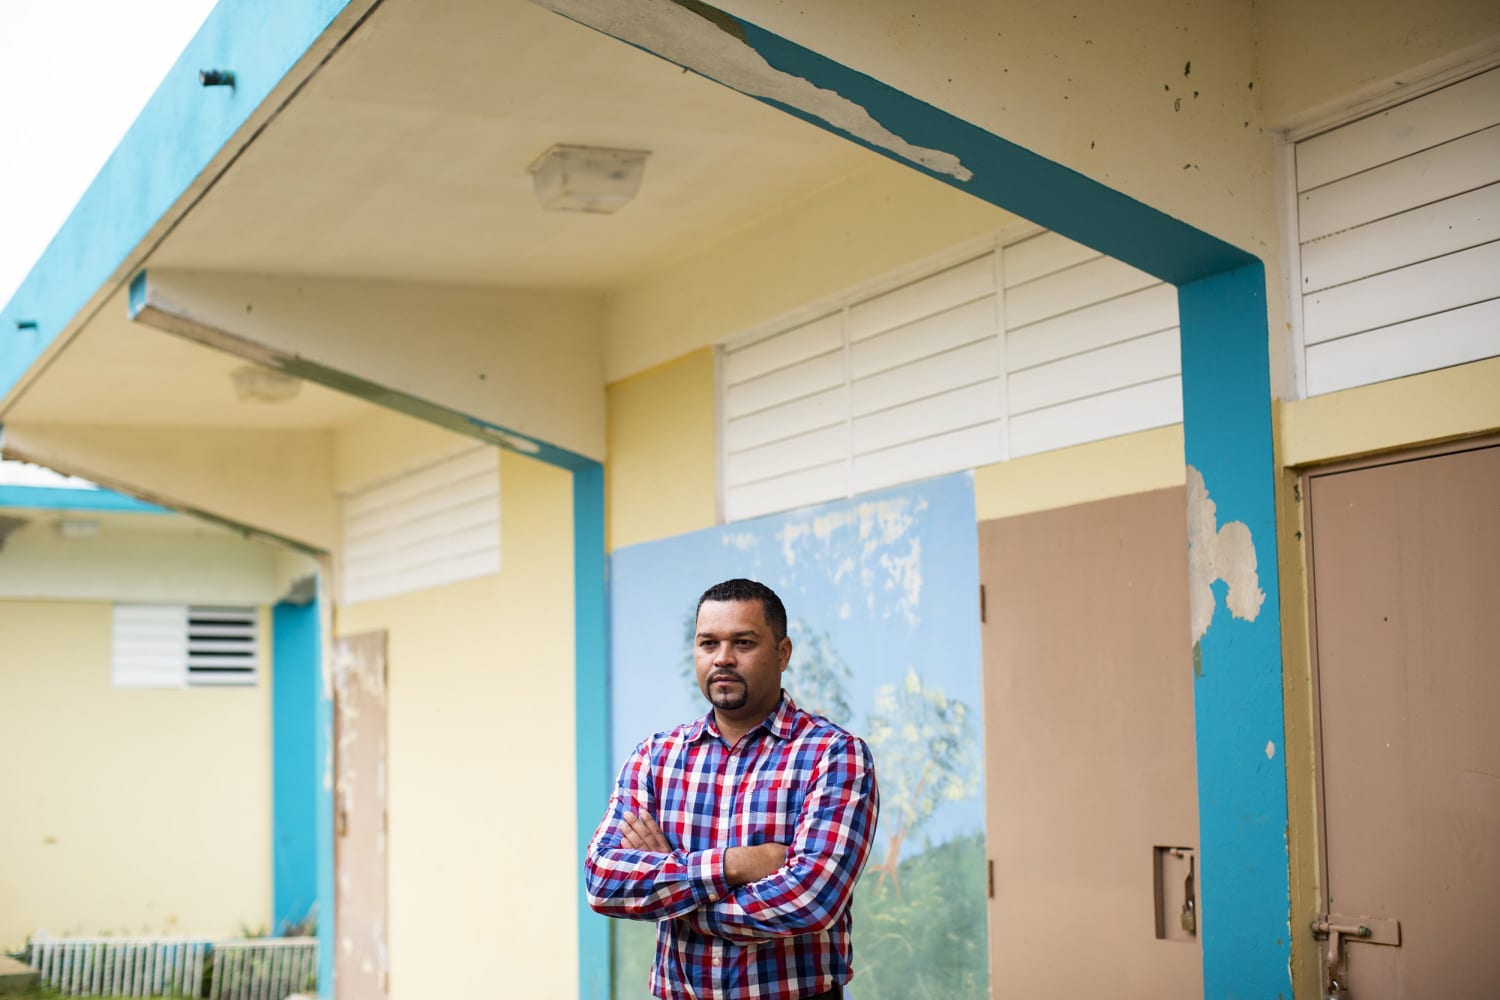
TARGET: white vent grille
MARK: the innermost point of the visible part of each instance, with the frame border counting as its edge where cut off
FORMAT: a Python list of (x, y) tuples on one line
[(435, 526), (221, 646), (174, 645), (1398, 226), (1040, 345)]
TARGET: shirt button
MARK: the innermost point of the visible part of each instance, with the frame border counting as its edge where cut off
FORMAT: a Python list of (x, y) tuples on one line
[(717, 960)]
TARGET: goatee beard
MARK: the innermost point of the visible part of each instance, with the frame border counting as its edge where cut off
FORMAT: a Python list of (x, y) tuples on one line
[(731, 699)]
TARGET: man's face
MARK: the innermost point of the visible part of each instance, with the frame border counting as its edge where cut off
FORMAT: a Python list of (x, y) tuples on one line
[(739, 661)]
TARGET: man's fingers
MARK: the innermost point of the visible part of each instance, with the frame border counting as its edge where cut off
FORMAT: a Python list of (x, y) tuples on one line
[(641, 833), (654, 834), (655, 839)]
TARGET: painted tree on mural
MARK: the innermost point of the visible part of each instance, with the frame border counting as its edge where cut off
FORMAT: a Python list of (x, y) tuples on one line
[(817, 678), (925, 754)]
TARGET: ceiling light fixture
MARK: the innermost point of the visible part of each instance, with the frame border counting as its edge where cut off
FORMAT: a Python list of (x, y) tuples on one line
[(262, 385), (587, 178), (73, 528)]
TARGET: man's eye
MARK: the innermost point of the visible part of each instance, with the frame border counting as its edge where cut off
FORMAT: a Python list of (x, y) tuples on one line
[(745, 643)]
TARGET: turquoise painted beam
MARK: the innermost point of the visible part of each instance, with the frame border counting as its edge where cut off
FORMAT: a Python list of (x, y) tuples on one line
[(893, 124), (166, 152), (64, 498)]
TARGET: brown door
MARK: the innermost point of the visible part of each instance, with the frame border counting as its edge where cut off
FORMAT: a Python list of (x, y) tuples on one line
[(1406, 607), (359, 696), (1092, 803)]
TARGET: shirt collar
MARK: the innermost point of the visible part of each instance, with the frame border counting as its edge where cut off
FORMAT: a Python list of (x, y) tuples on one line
[(781, 723)]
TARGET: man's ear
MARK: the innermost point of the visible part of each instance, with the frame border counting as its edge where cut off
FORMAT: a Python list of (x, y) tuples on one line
[(784, 650)]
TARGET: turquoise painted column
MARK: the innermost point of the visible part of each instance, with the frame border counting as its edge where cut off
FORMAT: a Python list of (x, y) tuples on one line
[(296, 654), (1244, 895), (591, 709)]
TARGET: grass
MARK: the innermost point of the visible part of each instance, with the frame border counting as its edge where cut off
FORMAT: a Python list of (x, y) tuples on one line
[(40, 993)]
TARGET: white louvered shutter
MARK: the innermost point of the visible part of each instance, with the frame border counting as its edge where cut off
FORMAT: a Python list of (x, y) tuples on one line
[(1398, 225), (1091, 346), (438, 525), (925, 375), (148, 646), (1037, 346)]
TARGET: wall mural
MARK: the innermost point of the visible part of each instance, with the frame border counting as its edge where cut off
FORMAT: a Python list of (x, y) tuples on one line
[(882, 602)]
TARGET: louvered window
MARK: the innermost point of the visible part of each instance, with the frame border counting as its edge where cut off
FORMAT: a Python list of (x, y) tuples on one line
[(1398, 230), (1038, 344), (437, 525), (174, 645)]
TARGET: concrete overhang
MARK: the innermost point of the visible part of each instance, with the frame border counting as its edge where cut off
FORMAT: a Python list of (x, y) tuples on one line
[(377, 151)]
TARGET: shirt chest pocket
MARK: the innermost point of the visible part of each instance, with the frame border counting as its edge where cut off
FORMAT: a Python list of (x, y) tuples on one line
[(768, 811)]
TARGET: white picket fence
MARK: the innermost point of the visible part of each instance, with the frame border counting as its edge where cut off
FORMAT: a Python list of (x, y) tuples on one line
[(263, 968), (254, 969)]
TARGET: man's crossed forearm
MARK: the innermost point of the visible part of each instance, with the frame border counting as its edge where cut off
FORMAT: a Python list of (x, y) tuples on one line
[(741, 864)]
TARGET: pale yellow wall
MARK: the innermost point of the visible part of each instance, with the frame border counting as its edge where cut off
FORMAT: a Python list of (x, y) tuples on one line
[(660, 478), (139, 811), (1133, 463), (881, 218), (1316, 52), (1418, 409), (384, 443), (483, 865), (136, 557)]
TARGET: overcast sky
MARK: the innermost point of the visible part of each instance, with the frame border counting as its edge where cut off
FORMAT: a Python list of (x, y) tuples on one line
[(73, 76)]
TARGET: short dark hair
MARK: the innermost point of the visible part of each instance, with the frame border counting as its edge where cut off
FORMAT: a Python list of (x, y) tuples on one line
[(740, 589)]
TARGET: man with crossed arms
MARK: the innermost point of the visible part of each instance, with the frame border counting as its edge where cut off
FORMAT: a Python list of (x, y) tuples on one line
[(742, 833)]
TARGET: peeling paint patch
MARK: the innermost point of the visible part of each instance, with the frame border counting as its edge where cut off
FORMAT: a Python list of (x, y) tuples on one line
[(1218, 553), (1270, 749), (712, 44)]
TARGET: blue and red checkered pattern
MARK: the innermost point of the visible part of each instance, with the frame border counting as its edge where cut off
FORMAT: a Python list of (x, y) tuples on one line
[(796, 779)]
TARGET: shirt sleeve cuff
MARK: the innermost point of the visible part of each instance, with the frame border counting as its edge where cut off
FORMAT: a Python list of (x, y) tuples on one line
[(707, 872)]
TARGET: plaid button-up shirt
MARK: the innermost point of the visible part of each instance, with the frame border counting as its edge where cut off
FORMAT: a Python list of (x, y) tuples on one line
[(795, 779)]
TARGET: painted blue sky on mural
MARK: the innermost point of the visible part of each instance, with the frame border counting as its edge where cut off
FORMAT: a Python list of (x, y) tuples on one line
[(882, 592)]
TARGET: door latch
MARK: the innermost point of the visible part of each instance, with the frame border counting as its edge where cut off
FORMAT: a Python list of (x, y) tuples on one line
[(1339, 929), (1189, 901)]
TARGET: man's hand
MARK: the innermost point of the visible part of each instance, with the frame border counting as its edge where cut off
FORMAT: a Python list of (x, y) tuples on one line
[(751, 864), (642, 834)]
